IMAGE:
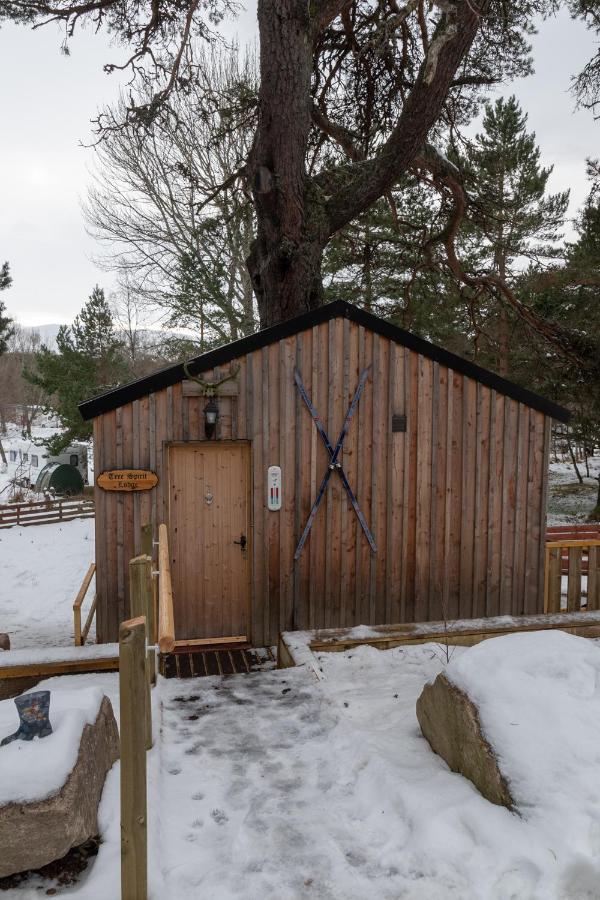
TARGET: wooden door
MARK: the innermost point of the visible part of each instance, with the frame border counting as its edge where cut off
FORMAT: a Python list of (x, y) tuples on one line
[(208, 525)]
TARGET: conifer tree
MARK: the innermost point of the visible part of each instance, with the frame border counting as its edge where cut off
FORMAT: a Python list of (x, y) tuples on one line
[(89, 360), (5, 322), (514, 223), (6, 329)]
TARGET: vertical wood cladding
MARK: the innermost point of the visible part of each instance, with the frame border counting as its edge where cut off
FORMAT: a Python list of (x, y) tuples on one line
[(456, 503)]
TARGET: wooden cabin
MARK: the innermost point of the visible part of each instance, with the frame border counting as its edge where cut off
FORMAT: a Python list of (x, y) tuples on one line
[(445, 462)]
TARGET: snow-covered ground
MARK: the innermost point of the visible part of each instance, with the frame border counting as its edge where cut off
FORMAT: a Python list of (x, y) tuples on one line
[(568, 500), (276, 785), (282, 786), (41, 570)]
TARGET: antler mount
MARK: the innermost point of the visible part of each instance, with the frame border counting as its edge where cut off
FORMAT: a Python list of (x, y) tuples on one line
[(209, 388)]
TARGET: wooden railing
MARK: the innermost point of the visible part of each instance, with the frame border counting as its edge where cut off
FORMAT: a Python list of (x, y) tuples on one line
[(81, 634), (166, 622), (564, 533), (45, 512), (583, 562)]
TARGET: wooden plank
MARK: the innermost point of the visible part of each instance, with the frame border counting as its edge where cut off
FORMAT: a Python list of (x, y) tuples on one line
[(287, 460), (592, 542), (467, 539), (381, 438), (140, 601), (360, 600), (574, 582), (460, 638), (509, 501), (166, 624), (346, 546), (272, 424), (110, 537), (318, 537), (534, 572), (132, 697), (520, 522), (408, 495), (89, 620), (79, 600), (301, 485), (62, 667), (455, 491), (210, 642), (395, 479), (254, 403), (593, 584), (332, 498), (482, 480), (423, 509), (553, 580)]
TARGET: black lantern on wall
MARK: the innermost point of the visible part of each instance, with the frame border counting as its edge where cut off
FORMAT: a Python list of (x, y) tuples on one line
[(211, 415)]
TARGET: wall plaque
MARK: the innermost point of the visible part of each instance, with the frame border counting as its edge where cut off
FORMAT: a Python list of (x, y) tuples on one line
[(127, 480)]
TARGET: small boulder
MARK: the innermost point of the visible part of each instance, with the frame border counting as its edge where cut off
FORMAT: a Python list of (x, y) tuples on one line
[(35, 833), (450, 722), (4, 641)]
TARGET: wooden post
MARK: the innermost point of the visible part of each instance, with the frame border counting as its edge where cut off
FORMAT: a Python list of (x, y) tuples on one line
[(132, 689), (574, 583), (554, 579), (148, 549), (140, 601), (146, 542), (166, 623)]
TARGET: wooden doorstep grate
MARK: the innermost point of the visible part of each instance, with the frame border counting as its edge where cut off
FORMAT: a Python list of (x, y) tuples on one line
[(196, 663)]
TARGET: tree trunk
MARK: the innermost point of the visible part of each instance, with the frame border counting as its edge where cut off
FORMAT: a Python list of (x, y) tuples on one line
[(574, 462), (285, 259)]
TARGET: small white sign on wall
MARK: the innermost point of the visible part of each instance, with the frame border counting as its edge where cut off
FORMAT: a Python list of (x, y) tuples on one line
[(274, 488)]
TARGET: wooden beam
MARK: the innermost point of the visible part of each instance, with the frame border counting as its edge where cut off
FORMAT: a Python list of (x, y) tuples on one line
[(79, 639), (586, 624), (140, 601), (592, 542), (166, 623), (61, 667), (132, 693)]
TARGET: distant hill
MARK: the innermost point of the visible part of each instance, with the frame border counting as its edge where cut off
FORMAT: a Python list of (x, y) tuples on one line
[(48, 334)]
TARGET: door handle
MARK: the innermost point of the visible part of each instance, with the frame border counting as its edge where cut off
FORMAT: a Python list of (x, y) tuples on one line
[(242, 542)]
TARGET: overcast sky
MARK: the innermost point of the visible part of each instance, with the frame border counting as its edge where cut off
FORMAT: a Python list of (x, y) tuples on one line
[(47, 101)]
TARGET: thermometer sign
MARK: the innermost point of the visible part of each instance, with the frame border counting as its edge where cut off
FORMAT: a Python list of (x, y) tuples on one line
[(274, 488)]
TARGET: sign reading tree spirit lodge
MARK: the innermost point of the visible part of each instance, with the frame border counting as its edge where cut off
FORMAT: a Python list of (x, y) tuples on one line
[(127, 480)]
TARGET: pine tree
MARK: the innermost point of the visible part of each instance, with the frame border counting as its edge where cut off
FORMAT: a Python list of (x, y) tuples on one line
[(89, 360), (514, 222), (6, 329)]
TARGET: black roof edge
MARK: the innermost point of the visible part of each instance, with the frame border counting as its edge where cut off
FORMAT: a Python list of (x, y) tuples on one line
[(170, 375)]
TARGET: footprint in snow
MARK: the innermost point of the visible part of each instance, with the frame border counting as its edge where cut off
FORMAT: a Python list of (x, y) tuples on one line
[(219, 816)]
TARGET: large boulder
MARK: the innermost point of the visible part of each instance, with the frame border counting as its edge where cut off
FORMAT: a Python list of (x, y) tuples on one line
[(450, 722), (36, 832)]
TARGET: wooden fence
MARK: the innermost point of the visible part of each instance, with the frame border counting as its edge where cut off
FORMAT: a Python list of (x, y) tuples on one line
[(44, 512), (565, 533), (583, 561)]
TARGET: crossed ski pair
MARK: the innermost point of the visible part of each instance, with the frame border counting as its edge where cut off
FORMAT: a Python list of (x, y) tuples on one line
[(334, 463)]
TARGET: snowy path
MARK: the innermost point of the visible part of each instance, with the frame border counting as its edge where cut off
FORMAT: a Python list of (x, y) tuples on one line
[(276, 786), (41, 570)]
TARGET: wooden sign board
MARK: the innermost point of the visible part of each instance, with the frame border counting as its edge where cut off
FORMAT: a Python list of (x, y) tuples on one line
[(127, 480)]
